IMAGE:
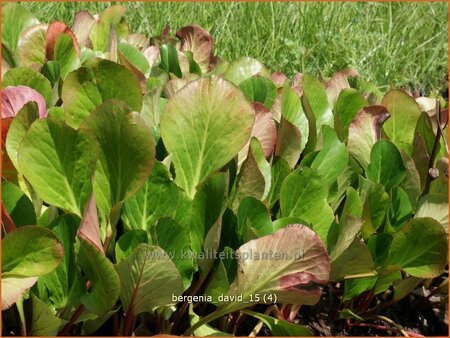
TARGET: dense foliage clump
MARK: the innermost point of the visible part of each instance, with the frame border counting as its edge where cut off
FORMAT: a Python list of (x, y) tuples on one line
[(150, 187)]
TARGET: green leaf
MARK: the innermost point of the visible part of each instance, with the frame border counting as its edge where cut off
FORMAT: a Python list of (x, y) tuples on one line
[(104, 281), (255, 176), (18, 205), (375, 209), (332, 160), (253, 219), (31, 47), (434, 206), (426, 130), (24, 76), (404, 287), (43, 321), (294, 269), (134, 56), (342, 235), (259, 89), (30, 251), (204, 330), (386, 165), (128, 242), (100, 34), (15, 19), (348, 104), (66, 54), (412, 182), (355, 261), (52, 71), (280, 327), (280, 170), (419, 252), (204, 132), (244, 68), (378, 245), (405, 112), (292, 111), (355, 287), (64, 286), (206, 209), (127, 148), (169, 60), (219, 283), (159, 197), (149, 279), (364, 131), (98, 81), (173, 238), (59, 162), (13, 288), (288, 145), (304, 194), (400, 208), (315, 103)]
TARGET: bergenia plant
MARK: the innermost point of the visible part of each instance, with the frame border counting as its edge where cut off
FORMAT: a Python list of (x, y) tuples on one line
[(149, 187)]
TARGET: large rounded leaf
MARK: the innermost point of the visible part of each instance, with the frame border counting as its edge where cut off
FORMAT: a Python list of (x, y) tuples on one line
[(31, 47), (59, 162), (149, 279), (15, 19), (420, 248), (159, 197), (18, 129), (127, 148), (364, 131), (104, 281), (14, 98), (108, 20), (405, 112), (304, 194), (198, 41), (291, 264), (30, 251), (386, 165), (203, 127), (88, 87), (245, 68), (28, 77)]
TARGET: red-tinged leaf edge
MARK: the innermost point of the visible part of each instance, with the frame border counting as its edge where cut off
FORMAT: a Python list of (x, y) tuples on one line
[(54, 30)]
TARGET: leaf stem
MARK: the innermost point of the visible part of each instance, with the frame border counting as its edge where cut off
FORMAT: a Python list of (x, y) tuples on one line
[(130, 320), (7, 220), (23, 324), (434, 151), (205, 320), (65, 330), (391, 322)]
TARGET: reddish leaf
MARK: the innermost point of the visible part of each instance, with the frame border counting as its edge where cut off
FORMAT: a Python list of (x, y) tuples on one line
[(14, 98), (338, 82), (90, 228), (278, 78), (264, 129), (54, 30), (152, 54), (364, 131), (82, 26), (199, 42)]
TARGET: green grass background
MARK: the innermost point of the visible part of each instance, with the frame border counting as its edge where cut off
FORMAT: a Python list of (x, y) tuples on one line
[(391, 44)]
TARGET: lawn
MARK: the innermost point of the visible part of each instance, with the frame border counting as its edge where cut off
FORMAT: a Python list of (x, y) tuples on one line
[(391, 44)]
